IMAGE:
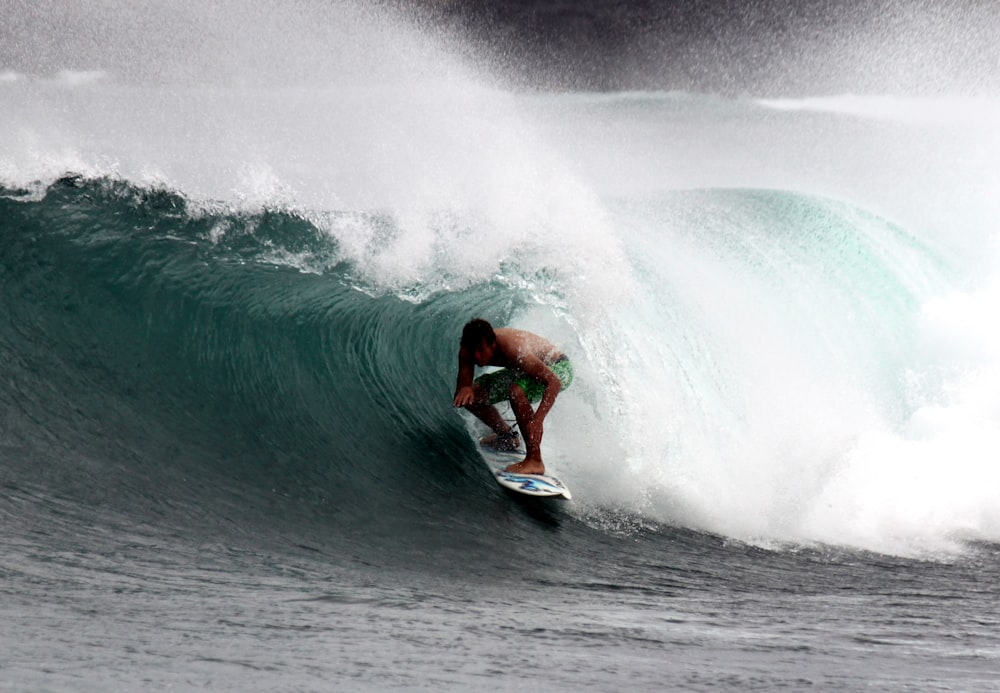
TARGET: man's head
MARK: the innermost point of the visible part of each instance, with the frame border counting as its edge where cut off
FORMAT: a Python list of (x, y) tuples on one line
[(480, 340)]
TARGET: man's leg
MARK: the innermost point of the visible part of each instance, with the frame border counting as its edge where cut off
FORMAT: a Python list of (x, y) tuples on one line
[(490, 415), (531, 430)]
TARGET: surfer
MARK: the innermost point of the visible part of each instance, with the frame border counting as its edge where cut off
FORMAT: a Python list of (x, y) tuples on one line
[(533, 371)]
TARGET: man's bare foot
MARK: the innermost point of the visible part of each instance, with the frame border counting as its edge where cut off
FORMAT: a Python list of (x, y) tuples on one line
[(502, 442), (527, 467)]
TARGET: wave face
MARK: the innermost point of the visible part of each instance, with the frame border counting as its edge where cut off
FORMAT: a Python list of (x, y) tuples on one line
[(157, 358), (220, 360), (233, 293)]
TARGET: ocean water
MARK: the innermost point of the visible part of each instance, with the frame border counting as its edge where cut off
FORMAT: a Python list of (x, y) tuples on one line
[(234, 268)]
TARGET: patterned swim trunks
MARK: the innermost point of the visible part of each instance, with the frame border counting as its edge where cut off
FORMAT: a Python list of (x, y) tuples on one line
[(497, 384)]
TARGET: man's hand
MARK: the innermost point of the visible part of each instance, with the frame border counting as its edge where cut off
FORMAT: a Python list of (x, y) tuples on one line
[(464, 397)]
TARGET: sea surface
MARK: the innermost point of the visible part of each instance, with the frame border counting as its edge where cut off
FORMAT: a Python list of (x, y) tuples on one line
[(237, 250)]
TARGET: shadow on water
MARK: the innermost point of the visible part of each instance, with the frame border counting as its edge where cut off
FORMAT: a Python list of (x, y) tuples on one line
[(545, 511)]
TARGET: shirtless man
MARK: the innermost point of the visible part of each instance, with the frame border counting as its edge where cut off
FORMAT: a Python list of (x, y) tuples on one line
[(533, 371)]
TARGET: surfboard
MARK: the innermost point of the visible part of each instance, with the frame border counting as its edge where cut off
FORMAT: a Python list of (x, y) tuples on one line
[(538, 485), (535, 485)]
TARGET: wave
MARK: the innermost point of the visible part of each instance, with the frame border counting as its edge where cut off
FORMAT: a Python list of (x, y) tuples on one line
[(953, 110), (756, 378), (245, 304), (178, 359)]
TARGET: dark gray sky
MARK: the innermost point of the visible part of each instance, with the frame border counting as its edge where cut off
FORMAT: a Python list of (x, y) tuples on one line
[(759, 47), (775, 46)]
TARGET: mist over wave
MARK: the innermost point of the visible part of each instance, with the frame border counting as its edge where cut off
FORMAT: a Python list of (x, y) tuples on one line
[(781, 308)]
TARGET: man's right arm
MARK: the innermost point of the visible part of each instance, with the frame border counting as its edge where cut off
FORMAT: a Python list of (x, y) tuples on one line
[(466, 369)]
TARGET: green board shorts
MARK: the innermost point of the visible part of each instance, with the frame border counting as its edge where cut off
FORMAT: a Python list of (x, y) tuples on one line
[(497, 384)]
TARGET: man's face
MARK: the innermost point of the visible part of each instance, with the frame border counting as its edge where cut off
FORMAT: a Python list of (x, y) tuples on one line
[(483, 353)]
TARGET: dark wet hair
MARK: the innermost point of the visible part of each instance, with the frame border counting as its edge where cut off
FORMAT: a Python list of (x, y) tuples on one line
[(476, 332)]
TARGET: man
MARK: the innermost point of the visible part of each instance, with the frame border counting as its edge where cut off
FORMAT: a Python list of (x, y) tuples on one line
[(533, 371)]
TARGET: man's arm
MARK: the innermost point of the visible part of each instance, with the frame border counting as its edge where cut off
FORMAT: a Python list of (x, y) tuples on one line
[(463, 388)]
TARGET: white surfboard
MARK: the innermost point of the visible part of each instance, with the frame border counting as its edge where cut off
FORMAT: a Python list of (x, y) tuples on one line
[(536, 485)]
